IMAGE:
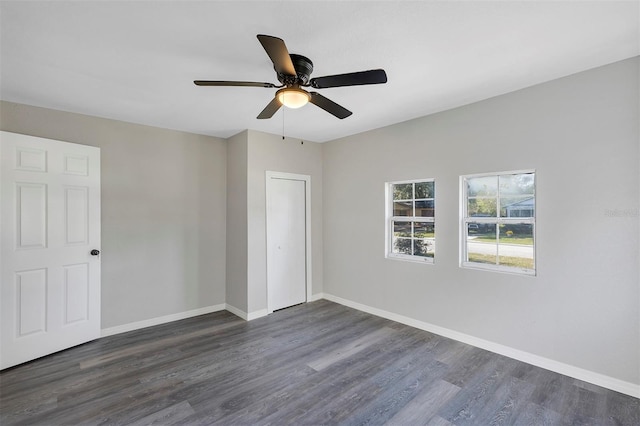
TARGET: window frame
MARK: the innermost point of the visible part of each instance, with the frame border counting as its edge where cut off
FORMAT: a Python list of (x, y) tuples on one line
[(391, 218), (497, 220)]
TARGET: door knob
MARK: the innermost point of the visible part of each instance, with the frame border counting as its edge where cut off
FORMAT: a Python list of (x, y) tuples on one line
[(95, 252)]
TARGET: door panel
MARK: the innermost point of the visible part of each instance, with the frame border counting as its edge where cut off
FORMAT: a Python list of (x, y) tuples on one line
[(50, 221), (76, 293), (31, 223), (31, 291), (76, 215), (286, 243)]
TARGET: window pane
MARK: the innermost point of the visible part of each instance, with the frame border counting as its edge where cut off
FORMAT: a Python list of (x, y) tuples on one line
[(403, 191), (503, 243), (413, 215), (516, 245), (425, 208), (520, 184), (482, 230), (403, 208), (482, 245), (516, 233), (487, 185), (482, 207), (424, 190), (517, 206), (423, 229), (402, 229), (402, 245), (423, 248)]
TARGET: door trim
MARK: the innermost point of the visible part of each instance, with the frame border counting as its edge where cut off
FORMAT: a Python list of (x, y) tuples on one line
[(270, 175)]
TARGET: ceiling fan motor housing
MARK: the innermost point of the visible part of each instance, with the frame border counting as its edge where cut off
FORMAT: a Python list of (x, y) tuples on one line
[(303, 67)]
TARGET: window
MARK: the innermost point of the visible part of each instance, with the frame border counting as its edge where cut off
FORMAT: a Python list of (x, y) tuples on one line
[(498, 221), (411, 220)]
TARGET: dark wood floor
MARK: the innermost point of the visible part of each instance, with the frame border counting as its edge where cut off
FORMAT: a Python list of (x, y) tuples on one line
[(313, 364)]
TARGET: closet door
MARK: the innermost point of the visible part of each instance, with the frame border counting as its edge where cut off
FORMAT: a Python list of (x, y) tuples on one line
[(286, 241)]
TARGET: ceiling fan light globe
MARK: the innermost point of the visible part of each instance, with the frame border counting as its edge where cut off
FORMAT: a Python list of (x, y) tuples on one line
[(293, 97)]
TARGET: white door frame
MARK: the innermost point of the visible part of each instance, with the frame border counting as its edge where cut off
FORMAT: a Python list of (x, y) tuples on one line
[(270, 175)]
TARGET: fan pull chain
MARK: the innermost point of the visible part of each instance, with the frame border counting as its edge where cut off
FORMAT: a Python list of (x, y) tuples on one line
[(283, 108)]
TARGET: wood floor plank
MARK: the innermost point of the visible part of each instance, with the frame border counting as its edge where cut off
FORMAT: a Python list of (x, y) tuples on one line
[(439, 421), (166, 342), (505, 402), (621, 409), (167, 416), (344, 402), (480, 384), (350, 348), (535, 415), (420, 410), (316, 363), (394, 398)]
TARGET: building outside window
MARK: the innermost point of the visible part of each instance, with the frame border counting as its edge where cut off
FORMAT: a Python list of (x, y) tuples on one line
[(498, 222), (411, 220)]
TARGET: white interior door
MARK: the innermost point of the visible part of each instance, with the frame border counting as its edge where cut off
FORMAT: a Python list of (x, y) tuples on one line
[(287, 199), (49, 225)]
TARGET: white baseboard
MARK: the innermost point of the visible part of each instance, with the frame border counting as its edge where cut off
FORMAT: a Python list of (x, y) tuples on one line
[(263, 312), (539, 361), (235, 311), (160, 320), (315, 297), (257, 314), (247, 316)]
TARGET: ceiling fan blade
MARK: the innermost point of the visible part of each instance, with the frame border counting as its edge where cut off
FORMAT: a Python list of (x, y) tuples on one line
[(350, 79), (270, 109), (277, 51), (329, 106), (232, 83)]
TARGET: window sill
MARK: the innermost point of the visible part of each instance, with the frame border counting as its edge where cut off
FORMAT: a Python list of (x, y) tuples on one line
[(413, 259), (496, 268)]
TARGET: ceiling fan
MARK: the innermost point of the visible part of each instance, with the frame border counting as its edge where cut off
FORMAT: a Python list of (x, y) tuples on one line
[(293, 73)]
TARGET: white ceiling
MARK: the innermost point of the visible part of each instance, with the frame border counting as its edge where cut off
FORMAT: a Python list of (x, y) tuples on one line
[(136, 61)]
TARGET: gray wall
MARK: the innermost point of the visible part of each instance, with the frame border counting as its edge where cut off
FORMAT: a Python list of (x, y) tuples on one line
[(580, 134), (272, 153), (237, 249), (163, 211)]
